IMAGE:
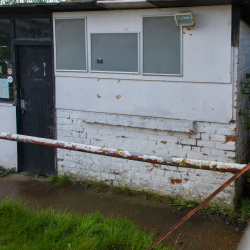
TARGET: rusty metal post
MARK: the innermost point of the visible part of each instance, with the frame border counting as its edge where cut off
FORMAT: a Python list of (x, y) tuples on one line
[(119, 153), (210, 197)]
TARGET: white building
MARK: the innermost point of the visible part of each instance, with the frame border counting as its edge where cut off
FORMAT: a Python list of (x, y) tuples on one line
[(127, 77)]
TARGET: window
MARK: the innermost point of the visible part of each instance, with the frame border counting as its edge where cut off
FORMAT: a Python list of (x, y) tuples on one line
[(34, 28), (161, 46), (6, 78), (70, 44), (115, 52)]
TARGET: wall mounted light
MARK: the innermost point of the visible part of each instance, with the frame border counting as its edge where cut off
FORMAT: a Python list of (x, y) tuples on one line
[(184, 18)]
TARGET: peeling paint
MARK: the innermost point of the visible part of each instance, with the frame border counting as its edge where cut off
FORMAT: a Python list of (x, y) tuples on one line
[(175, 181), (155, 165), (119, 153), (230, 138)]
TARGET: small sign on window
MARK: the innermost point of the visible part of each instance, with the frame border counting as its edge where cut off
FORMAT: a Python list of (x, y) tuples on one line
[(4, 88)]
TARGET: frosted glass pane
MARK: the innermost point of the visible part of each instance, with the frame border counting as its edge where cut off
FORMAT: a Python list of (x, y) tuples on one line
[(161, 45), (114, 52), (70, 44), (34, 28)]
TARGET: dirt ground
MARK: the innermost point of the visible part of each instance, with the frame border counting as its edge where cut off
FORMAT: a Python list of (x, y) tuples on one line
[(201, 231)]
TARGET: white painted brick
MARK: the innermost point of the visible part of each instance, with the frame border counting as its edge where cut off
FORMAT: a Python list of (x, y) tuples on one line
[(218, 153), (224, 131), (226, 146), (67, 134), (206, 151), (64, 121), (196, 149), (136, 174), (205, 137), (76, 115), (230, 154), (209, 130), (195, 136), (207, 144), (160, 172), (215, 137), (188, 141)]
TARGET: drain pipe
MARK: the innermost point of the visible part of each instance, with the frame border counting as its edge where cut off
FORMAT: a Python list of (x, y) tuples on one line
[(119, 153)]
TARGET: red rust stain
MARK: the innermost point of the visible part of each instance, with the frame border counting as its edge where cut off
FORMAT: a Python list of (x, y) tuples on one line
[(175, 181), (150, 170), (234, 132), (186, 179), (155, 165), (83, 120), (230, 138), (164, 142), (191, 131), (98, 96), (98, 79), (118, 97), (115, 173), (118, 81)]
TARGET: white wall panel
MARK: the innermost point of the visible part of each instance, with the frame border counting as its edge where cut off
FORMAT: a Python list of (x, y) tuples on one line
[(8, 149), (203, 93), (178, 100)]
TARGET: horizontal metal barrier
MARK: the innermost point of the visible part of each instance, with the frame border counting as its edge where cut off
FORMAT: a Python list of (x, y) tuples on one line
[(119, 153)]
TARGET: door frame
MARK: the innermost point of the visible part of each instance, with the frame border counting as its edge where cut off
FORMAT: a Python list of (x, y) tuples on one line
[(14, 46)]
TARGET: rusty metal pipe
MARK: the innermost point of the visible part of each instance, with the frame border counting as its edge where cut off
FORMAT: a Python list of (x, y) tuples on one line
[(119, 153), (210, 197)]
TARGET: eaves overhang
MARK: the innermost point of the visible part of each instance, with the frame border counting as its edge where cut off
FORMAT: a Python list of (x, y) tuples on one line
[(94, 5)]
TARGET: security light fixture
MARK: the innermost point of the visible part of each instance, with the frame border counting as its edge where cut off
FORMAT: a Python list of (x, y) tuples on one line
[(184, 18)]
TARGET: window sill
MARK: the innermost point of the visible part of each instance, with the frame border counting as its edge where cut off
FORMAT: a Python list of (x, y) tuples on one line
[(135, 121)]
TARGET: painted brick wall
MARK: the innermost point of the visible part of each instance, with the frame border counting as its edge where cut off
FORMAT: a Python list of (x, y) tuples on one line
[(212, 141), (241, 68)]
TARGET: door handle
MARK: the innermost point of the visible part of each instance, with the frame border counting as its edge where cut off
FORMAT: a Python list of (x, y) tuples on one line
[(22, 101)]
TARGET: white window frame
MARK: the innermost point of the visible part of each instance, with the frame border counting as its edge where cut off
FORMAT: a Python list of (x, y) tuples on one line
[(181, 51), (86, 45), (115, 72)]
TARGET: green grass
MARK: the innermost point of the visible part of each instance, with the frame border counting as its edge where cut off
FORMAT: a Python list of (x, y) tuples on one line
[(22, 228), (183, 205), (63, 180), (244, 209), (4, 172)]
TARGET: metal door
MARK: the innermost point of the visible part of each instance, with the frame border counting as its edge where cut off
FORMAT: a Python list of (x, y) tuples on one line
[(36, 96)]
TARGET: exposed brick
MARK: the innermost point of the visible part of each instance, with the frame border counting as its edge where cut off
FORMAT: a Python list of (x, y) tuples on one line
[(230, 138), (175, 181)]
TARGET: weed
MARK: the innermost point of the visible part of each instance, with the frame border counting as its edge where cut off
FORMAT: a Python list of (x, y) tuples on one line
[(212, 210), (51, 179), (231, 213), (101, 186), (22, 228), (127, 191), (183, 205), (63, 180), (4, 172), (244, 209)]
